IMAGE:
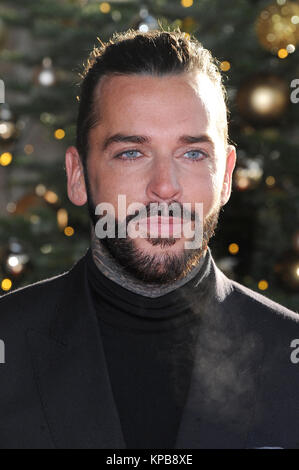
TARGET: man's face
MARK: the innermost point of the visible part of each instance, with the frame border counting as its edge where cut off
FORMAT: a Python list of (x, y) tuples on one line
[(161, 167)]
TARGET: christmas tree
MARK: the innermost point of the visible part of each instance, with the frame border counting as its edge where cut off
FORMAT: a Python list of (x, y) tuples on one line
[(43, 46)]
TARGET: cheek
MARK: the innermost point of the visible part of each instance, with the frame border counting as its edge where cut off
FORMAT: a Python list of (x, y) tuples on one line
[(108, 187), (204, 187)]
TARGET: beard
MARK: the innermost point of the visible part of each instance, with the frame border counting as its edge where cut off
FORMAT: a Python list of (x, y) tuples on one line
[(157, 269)]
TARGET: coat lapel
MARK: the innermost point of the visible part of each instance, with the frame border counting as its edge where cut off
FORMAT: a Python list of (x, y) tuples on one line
[(71, 372)]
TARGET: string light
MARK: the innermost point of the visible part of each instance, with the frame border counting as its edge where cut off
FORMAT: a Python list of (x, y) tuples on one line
[(233, 248), (35, 219), (146, 22), (11, 207), (69, 231), (16, 263), (263, 285), (282, 53), (62, 218), (46, 75), (51, 197), (7, 130), (6, 284), (59, 134), (13, 261), (46, 249), (291, 48), (5, 159), (29, 149), (105, 7), (270, 181), (40, 190), (116, 15), (225, 66), (187, 3), (48, 119)]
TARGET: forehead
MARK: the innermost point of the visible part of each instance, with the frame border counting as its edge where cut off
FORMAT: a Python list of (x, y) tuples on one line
[(159, 104)]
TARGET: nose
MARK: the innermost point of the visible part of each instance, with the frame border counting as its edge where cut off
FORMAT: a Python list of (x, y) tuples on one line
[(164, 185)]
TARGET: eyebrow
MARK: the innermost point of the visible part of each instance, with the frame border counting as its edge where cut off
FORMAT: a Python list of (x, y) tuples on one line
[(141, 139)]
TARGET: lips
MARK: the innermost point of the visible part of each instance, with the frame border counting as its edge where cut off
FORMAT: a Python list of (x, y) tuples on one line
[(158, 225)]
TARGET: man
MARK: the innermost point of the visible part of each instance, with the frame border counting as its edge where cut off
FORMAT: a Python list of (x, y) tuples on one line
[(145, 343)]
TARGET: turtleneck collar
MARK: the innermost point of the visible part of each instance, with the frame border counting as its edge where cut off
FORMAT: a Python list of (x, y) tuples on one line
[(118, 305), (107, 264)]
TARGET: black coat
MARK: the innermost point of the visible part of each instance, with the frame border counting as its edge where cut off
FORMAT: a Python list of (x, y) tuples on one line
[(55, 390)]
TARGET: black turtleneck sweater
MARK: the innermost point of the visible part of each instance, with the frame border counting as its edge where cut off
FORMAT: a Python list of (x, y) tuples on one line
[(149, 346)]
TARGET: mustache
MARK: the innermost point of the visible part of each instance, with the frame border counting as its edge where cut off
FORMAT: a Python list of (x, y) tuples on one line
[(159, 209)]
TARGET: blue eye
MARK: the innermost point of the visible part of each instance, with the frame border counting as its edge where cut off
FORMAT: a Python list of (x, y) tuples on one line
[(128, 152), (196, 159), (130, 155)]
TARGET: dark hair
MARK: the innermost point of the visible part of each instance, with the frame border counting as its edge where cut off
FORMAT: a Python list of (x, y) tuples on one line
[(154, 53)]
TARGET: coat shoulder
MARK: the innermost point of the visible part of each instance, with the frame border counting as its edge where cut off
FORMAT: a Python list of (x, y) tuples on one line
[(31, 301), (35, 304), (259, 305)]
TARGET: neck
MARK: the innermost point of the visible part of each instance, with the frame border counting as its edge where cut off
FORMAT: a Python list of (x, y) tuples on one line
[(117, 273)]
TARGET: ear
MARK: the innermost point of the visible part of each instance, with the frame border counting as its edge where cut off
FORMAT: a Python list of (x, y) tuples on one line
[(231, 158), (75, 177)]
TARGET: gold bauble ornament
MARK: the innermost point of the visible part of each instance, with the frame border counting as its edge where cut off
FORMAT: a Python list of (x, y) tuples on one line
[(263, 98), (278, 26)]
